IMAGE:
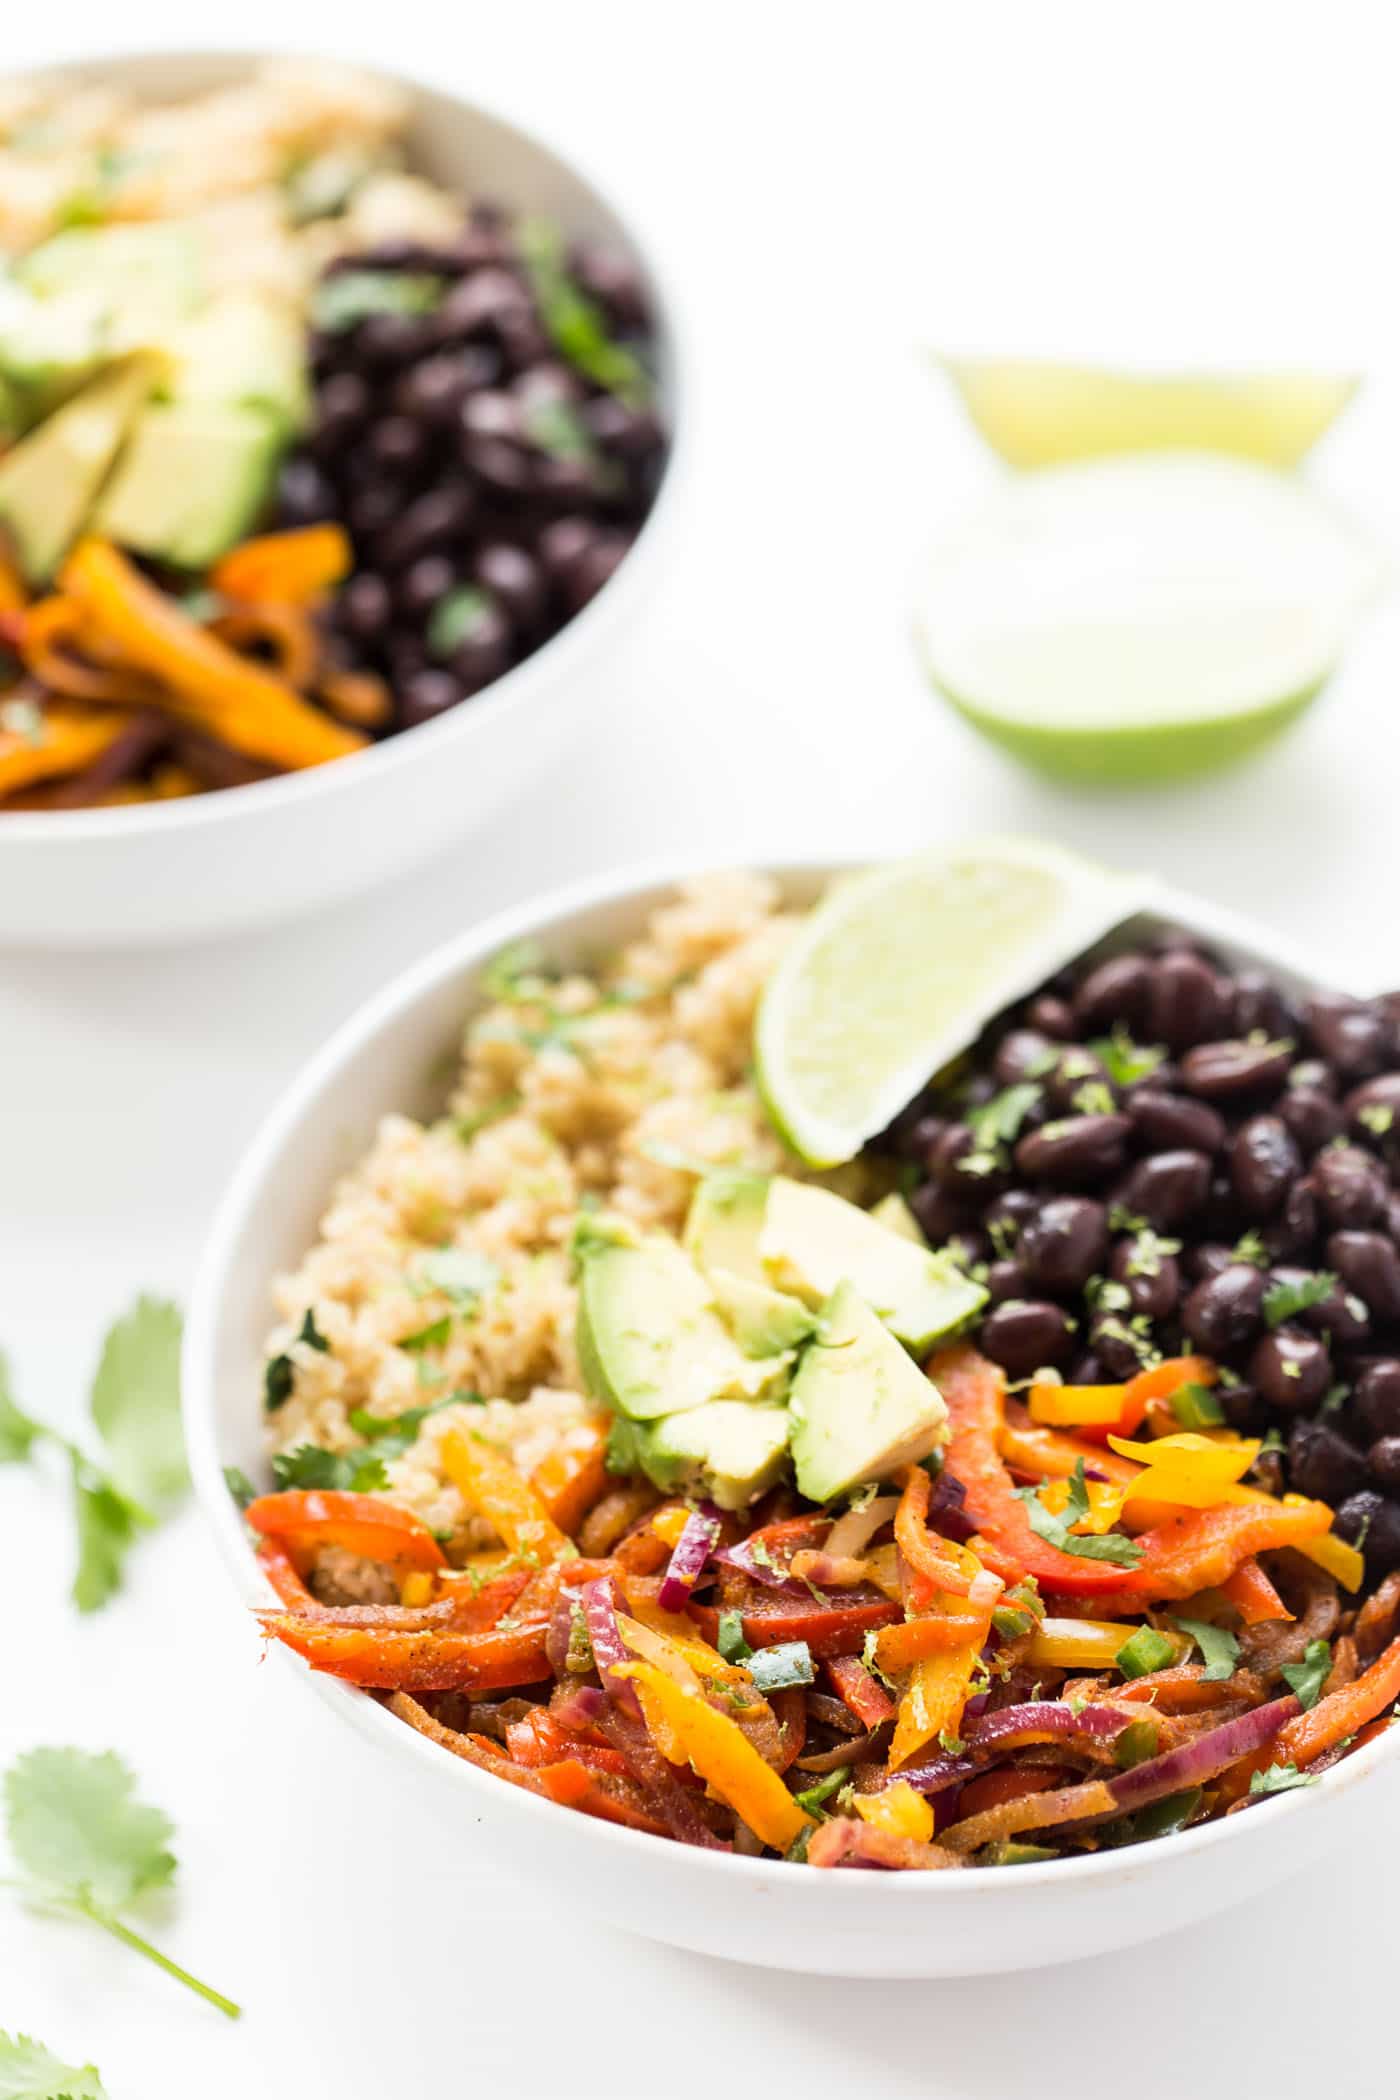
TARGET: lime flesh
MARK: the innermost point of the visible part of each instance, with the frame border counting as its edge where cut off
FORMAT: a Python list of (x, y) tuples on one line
[(898, 970), (1142, 618), (1038, 413)]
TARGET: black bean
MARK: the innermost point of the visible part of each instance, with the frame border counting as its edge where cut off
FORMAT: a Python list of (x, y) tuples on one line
[(523, 341), (372, 510), (612, 279), (1207, 1258), (1021, 1054), (586, 576), (1373, 1108), (1355, 1037), (1313, 1117), (563, 543), (512, 575), (1376, 1397), (1087, 1370), (364, 608), (1342, 1315), (946, 1154), (1076, 1152), (1025, 1335), (1006, 1279), (1169, 1123), (385, 340), (939, 1211), (427, 694), (1389, 1220), (505, 468), (1065, 1243), (493, 414), (434, 390), (484, 653), (1291, 1369), (342, 407), (478, 304), (1121, 1349), (437, 519), (1372, 1522), (1076, 1069), (1225, 1311), (1245, 1411), (1006, 1215), (978, 1090), (1368, 1264), (1351, 1186), (304, 494), (1151, 1278), (1383, 1461), (1167, 1188), (1264, 1160), (1052, 1016), (1188, 1002), (420, 587), (629, 433), (1261, 1006), (1314, 1072), (1229, 1071), (969, 1249), (1323, 1464), (1116, 990), (1294, 1231)]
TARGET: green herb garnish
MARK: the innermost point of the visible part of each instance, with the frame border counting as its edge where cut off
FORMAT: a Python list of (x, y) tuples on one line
[(1307, 1677), (1250, 1248), (573, 323), (1055, 1528), (998, 1120), (239, 1486), (1220, 1651), (730, 1638), (279, 1377), (1282, 1300), (813, 1796), (456, 617), (432, 1336), (29, 2071), (1280, 1779), (348, 297), (1125, 1061)]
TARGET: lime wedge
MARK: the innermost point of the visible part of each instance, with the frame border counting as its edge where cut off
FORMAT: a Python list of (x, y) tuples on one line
[(1036, 413), (896, 971), (1141, 618)]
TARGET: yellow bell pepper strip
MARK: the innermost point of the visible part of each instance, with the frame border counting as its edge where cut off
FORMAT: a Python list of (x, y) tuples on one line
[(64, 740), (721, 1753), (244, 704), (1084, 1644), (1046, 1454), (285, 568), (685, 1660), (1057, 1406), (899, 1810), (670, 1521), (492, 1487)]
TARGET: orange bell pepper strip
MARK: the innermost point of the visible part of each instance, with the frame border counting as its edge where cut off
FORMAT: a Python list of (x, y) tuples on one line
[(477, 1610), (974, 1390), (1159, 1383), (1202, 1548), (538, 1739), (305, 1518), (898, 1810), (65, 739), (933, 1699), (570, 1783), (285, 568), (863, 1696), (281, 1571), (242, 702), (394, 1659), (574, 1475), (1048, 1454), (1342, 1713), (492, 1487), (1253, 1595), (898, 1647), (717, 1748), (931, 1566)]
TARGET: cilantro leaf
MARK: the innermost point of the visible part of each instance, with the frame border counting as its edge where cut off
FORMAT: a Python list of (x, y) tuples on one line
[(19, 1432), (279, 1376), (998, 1120), (459, 1274), (136, 1402), (1307, 1677), (239, 1486), (573, 323), (311, 1466), (1282, 1300), (1220, 1651), (430, 1337), (785, 1663), (29, 2071), (1280, 1779), (1125, 1061), (1054, 1527), (730, 1638), (350, 296), (86, 1846), (108, 1525)]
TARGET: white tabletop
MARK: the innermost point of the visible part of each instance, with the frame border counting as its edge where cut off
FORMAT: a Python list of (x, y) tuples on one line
[(834, 189)]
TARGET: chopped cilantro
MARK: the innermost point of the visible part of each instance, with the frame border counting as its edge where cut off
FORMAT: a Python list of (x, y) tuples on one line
[(348, 297), (1307, 1677), (998, 1120), (1094, 1098), (457, 616), (1282, 1300), (1220, 1651), (29, 2071), (812, 1797), (430, 1337), (459, 1274), (1280, 1779), (1148, 1251), (309, 1466), (951, 1745), (1055, 1528), (280, 1374), (1377, 1117), (1125, 1061), (1121, 1219), (1250, 1248), (573, 323)]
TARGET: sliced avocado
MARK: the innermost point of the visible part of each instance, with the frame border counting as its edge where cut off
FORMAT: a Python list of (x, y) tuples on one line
[(812, 1240), (51, 479), (724, 1222), (191, 482), (729, 1450), (650, 1341), (245, 350), (48, 348), (895, 1215), (145, 275), (860, 1407), (762, 1321)]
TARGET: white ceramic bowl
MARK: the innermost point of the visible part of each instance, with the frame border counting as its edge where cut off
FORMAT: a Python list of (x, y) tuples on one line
[(842, 1923), (171, 871)]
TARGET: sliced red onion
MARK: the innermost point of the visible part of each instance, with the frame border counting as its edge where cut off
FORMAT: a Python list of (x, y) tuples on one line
[(561, 1626), (1205, 1758), (609, 1648), (583, 1706), (689, 1555), (1006, 1730), (665, 1795), (770, 1578), (945, 1509)]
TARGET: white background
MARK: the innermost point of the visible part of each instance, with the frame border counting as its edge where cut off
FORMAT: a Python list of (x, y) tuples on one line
[(834, 188)]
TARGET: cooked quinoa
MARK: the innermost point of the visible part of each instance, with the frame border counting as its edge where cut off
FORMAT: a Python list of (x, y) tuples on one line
[(574, 1093)]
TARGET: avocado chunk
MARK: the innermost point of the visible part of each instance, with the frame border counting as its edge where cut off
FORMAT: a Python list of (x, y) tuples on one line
[(51, 479), (145, 276), (650, 1340), (244, 350), (860, 1407), (729, 1450), (191, 482), (762, 1321), (895, 1215), (724, 1222), (48, 348), (812, 1240)]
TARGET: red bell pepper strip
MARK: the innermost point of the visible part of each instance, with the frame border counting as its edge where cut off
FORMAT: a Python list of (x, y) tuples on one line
[(1340, 1714), (305, 1518), (790, 1711), (974, 1390), (1253, 1595), (863, 1695), (539, 1739), (399, 1660), (569, 1783), (1202, 1548), (834, 1629), (280, 1569)]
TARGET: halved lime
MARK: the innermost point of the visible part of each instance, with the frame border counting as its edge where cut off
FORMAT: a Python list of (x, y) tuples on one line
[(1037, 413), (896, 971), (1141, 618)]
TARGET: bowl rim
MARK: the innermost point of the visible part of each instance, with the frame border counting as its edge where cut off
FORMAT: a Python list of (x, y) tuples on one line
[(554, 658), (456, 958)]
